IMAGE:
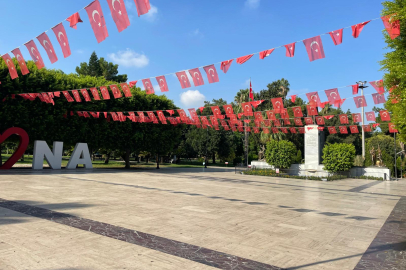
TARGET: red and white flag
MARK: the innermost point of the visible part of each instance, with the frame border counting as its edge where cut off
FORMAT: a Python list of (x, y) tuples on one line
[(211, 73), (119, 14), (67, 96), (85, 94), (360, 101), (355, 88), (337, 36), (384, 115), (258, 116), (277, 104), (126, 90), (366, 128), (76, 95), (271, 115), (247, 108), (116, 91), (314, 48), (297, 111), (21, 61), (290, 49), (301, 130), (292, 130), (183, 79), (46, 43), (343, 130), (149, 89), (354, 129), (312, 110), (332, 130), (391, 25), (161, 117), (328, 117), (265, 53), (228, 109), (95, 114), (332, 95), (308, 121), (392, 128), (378, 85), (243, 59), (152, 117), (225, 65), (251, 93), (35, 55), (97, 21), (313, 98), (293, 98), (370, 116), (105, 92), (320, 120), (133, 83), (143, 6), (356, 29), (196, 76), (356, 117), (378, 98), (95, 93), (343, 119), (216, 112), (161, 80), (298, 122), (193, 113), (62, 38), (74, 19), (275, 130), (11, 67)]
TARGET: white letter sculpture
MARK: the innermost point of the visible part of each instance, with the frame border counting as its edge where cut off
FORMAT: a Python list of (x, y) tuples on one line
[(41, 151), (80, 155)]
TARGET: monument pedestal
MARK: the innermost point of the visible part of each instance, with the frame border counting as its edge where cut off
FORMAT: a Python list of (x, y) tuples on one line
[(314, 142)]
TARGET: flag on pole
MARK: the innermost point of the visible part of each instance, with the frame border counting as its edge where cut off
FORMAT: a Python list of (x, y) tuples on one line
[(251, 93)]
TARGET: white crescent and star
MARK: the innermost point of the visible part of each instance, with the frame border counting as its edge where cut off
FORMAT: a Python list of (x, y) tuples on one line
[(335, 95), (112, 3), (32, 51), (93, 13), (20, 60), (163, 83), (59, 37), (212, 74), (45, 42), (311, 45), (7, 62), (184, 80), (197, 77)]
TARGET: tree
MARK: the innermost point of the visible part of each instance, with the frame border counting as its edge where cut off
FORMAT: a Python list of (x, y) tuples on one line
[(100, 68), (281, 154), (386, 144), (338, 157)]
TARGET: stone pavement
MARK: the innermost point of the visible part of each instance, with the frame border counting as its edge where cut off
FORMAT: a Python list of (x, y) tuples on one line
[(197, 219)]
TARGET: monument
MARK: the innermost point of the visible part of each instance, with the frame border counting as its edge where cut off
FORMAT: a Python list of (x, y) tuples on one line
[(314, 142)]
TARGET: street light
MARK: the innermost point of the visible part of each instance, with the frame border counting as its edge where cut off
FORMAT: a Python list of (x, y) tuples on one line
[(362, 85)]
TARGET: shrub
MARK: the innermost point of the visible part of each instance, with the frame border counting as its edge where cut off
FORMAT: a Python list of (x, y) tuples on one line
[(359, 161), (338, 157), (386, 144), (272, 173), (280, 154)]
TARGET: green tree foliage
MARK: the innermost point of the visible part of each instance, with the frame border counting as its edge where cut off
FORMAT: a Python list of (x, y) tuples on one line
[(100, 68), (387, 145), (280, 154), (338, 157)]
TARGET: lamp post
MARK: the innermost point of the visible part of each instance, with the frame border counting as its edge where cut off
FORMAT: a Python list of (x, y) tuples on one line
[(207, 139), (362, 85)]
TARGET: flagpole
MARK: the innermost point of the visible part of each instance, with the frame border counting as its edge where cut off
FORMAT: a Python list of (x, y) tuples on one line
[(246, 133)]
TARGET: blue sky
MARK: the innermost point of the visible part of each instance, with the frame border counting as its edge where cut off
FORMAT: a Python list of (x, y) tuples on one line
[(184, 34)]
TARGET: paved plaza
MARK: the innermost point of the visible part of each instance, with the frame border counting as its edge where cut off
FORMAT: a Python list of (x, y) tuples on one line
[(197, 219)]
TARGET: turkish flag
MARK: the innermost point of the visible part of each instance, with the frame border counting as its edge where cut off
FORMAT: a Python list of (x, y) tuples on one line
[(141, 117), (290, 49), (143, 6), (356, 29), (378, 98), (343, 119), (116, 91), (320, 128), (284, 114), (76, 95), (314, 48), (314, 98), (258, 116), (97, 21), (332, 130), (356, 117), (228, 109), (211, 73), (284, 130), (149, 89), (119, 14), (391, 25), (161, 117), (360, 101), (354, 129), (243, 59), (301, 130), (378, 85), (265, 53), (275, 130), (292, 130), (366, 128), (308, 120), (171, 112), (85, 94), (251, 93), (311, 110), (182, 114), (298, 122), (213, 120), (216, 112), (21, 61), (46, 43), (126, 90), (332, 95), (376, 125), (320, 120), (193, 113), (293, 98), (247, 108), (133, 83), (62, 38), (384, 115), (370, 116), (355, 88), (339, 103), (392, 128), (11, 67), (196, 76), (68, 97), (35, 55), (105, 92), (343, 130), (95, 93), (161, 80), (57, 94), (152, 117), (337, 36), (277, 104), (95, 114), (74, 19), (225, 65), (271, 115), (114, 116), (328, 117), (297, 111), (183, 79), (265, 130)]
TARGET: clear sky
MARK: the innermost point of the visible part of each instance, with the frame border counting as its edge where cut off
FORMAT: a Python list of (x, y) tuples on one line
[(184, 34)]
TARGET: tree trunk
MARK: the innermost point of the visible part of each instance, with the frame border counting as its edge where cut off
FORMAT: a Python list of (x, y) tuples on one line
[(157, 161), (22, 157), (107, 158), (147, 159), (214, 158), (126, 158), (1, 157)]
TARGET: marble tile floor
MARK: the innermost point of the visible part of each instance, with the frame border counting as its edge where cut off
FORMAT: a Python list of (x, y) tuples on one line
[(196, 219)]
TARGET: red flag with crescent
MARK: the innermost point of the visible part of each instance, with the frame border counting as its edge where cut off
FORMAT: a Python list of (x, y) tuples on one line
[(143, 6), (119, 14), (284, 130), (370, 116), (182, 114), (35, 55), (60, 34), (217, 112), (277, 123), (314, 48), (391, 25), (298, 122), (105, 92), (116, 91), (355, 88), (376, 125), (332, 130), (313, 98), (265, 130), (366, 128), (354, 129), (308, 120), (275, 130), (292, 130), (265, 53), (356, 29), (213, 120), (211, 73), (193, 113), (290, 49), (74, 20), (378, 98), (277, 104), (378, 85), (360, 101), (76, 95), (67, 96), (95, 114), (301, 130), (258, 116), (46, 43), (337, 36), (284, 114), (96, 18), (141, 117), (21, 61), (161, 117), (293, 98), (85, 94), (152, 117), (196, 76), (312, 110), (343, 129), (228, 109), (328, 117), (271, 115), (243, 59), (356, 117), (247, 108), (126, 90), (384, 115), (297, 111), (133, 83), (161, 80), (95, 93), (225, 65), (183, 79), (392, 128), (332, 95), (11, 67), (339, 103), (320, 120), (343, 119), (149, 89), (320, 128)]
